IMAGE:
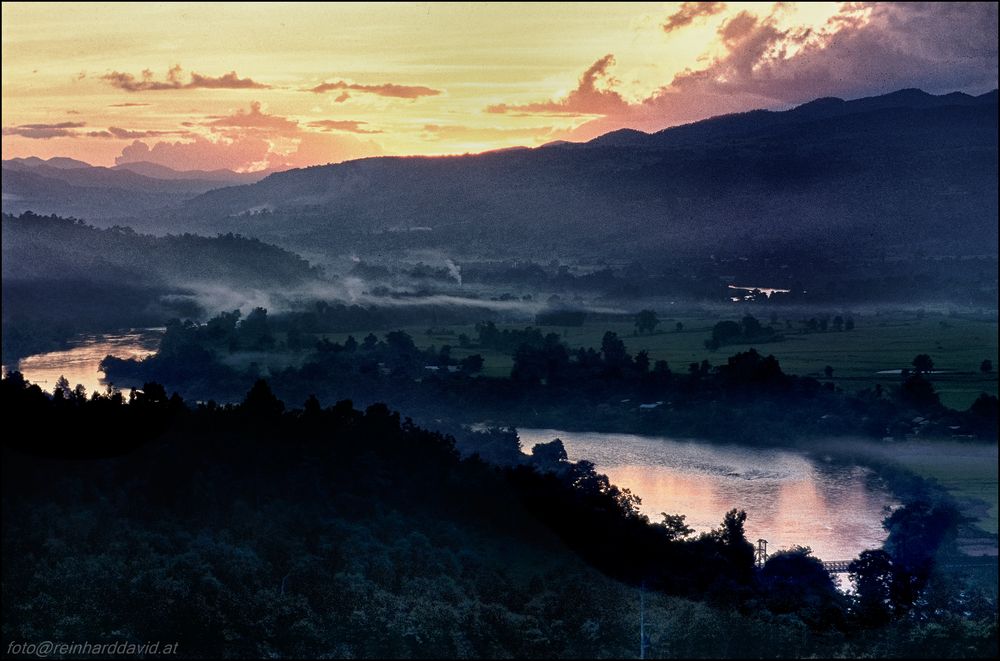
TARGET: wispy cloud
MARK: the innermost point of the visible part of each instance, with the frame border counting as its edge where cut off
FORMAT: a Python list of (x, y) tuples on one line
[(126, 134), (689, 11), (255, 118), (44, 131), (586, 99), (385, 89), (762, 61), (145, 82), (345, 125)]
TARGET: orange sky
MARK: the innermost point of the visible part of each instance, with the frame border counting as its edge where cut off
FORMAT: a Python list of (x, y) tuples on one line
[(252, 86)]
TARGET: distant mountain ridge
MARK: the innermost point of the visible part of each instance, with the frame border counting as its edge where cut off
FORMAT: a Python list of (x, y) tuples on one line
[(817, 109), (70, 187), (903, 170), (145, 168)]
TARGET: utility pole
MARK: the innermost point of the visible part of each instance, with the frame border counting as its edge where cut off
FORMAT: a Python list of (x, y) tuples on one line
[(642, 620), (760, 556)]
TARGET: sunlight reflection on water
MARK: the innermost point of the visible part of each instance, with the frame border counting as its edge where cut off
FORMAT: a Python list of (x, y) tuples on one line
[(789, 498), (79, 364)]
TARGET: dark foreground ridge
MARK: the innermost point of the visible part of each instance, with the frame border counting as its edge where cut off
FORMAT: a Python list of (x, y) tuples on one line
[(250, 530)]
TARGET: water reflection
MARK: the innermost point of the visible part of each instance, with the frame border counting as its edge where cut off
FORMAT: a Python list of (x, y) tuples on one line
[(790, 499), (79, 364)]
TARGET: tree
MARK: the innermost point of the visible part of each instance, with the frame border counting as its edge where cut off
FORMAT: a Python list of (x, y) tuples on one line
[(849, 324), (549, 454), (828, 371), (986, 366), (646, 321), (675, 526), (61, 388), (750, 326), (872, 575), (350, 344), (642, 361), (260, 401), (679, 326), (471, 364), (613, 350), (838, 323), (725, 332), (918, 392), (923, 363)]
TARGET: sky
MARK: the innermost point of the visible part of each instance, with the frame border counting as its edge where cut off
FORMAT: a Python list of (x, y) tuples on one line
[(256, 86)]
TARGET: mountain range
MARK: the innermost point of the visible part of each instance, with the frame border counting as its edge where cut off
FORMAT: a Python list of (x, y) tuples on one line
[(71, 187), (898, 173)]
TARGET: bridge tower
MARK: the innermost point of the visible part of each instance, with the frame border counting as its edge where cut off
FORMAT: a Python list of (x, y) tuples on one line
[(760, 555)]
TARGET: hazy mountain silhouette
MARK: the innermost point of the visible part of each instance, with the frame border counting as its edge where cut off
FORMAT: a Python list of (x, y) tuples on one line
[(903, 172), (157, 171), (54, 162), (71, 187), (907, 169)]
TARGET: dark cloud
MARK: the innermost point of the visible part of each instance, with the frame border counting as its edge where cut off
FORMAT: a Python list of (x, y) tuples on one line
[(385, 89), (226, 81), (146, 83), (44, 131), (129, 105), (349, 126), (689, 11), (126, 134), (586, 99), (69, 130), (60, 125), (864, 50)]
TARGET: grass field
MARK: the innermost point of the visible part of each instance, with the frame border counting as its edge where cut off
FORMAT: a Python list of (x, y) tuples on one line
[(878, 342), (967, 470)]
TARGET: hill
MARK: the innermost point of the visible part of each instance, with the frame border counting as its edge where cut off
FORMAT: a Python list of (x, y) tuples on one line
[(73, 188), (893, 174)]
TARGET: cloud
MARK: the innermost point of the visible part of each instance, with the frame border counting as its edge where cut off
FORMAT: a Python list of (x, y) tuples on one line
[(252, 140), (385, 89), (689, 11), (318, 148), (44, 131), (199, 153), (129, 105), (69, 130), (60, 125), (762, 61), (349, 126), (255, 119), (146, 83), (586, 99), (343, 96), (126, 134)]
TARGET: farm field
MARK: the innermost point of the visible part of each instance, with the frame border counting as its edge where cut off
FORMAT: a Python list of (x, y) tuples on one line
[(878, 343)]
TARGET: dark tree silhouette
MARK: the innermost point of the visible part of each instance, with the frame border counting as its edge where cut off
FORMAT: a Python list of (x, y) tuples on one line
[(646, 322), (922, 363)]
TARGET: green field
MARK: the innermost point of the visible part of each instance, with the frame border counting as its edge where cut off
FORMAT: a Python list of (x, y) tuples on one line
[(967, 470), (878, 342)]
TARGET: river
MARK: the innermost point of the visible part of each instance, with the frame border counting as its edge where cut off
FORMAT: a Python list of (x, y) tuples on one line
[(80, 362), (790, 498)]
